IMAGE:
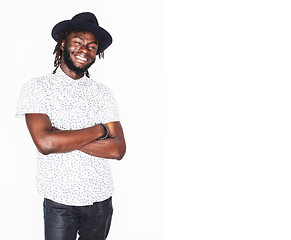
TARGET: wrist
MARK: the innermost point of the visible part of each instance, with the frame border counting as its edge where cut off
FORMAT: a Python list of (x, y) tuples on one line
[(106, 132)]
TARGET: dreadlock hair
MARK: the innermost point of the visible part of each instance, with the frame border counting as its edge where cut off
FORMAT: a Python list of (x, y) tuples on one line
[(58, 52)]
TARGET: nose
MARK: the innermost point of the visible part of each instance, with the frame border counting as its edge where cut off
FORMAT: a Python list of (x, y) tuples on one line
[(84, 48)]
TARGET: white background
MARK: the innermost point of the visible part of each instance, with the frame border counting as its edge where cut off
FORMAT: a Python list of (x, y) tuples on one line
[(230, 71), (204, 95)]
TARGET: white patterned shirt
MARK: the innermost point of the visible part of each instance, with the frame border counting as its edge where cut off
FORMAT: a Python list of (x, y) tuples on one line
[(73, 178)]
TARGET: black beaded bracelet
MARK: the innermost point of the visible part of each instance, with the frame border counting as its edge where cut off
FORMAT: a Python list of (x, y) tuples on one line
[(106, 135)]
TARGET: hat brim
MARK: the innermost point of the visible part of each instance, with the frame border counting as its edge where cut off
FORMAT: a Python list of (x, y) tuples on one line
[(101, 34)]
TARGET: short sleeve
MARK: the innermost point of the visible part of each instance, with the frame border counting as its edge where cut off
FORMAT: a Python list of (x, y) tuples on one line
[(31, 99), (110, 112)]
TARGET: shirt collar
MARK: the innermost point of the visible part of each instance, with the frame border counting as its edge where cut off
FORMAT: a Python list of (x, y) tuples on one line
[(63, 76)]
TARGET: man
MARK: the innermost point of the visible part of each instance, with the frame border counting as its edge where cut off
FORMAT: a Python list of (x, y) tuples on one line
[(74, 123)]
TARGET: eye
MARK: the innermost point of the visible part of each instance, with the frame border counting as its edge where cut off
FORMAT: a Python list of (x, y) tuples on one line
[(92, 47), (77, 43)]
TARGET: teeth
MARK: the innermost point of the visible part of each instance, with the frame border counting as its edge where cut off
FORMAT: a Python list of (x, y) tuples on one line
[(81, 58)]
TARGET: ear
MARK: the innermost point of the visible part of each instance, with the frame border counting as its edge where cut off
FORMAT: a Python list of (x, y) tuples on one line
[(62, 45)]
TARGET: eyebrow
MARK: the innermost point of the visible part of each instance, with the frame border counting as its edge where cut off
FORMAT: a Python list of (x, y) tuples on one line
[(84, 40)]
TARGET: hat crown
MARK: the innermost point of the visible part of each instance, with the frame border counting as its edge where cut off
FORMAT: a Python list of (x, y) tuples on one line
[(86, 17)]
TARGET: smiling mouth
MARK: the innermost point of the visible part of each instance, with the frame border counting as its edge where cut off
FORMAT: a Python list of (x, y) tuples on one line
[(81, 58)]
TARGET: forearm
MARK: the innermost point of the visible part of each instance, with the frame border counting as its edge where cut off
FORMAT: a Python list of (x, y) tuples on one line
[(110, 148), (51, 140), (113, 147), (56, 141)]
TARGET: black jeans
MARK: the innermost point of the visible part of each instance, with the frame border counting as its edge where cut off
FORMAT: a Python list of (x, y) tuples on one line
[(63, 222)]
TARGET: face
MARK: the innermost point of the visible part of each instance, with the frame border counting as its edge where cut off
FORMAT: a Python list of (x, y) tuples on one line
[(79, 51)]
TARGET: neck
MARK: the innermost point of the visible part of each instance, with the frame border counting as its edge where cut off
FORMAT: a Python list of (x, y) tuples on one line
[(71, 73)]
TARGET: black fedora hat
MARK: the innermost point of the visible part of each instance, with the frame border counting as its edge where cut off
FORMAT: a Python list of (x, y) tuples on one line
[(85, 21)]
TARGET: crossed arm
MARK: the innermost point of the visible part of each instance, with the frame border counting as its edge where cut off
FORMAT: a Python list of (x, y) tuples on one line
[(51, 140)]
